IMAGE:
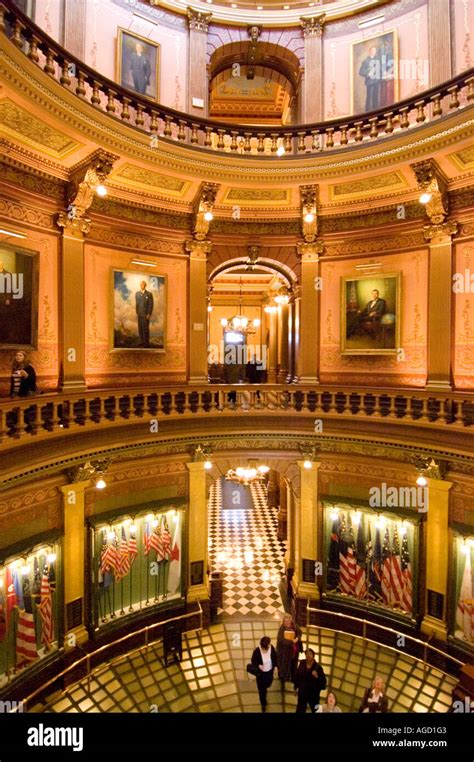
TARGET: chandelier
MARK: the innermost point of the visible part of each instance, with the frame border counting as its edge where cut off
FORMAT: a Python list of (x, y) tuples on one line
[(247, 475), (239, 322)]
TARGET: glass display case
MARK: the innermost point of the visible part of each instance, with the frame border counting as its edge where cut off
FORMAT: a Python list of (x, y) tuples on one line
[(136, 563), (463, 614)]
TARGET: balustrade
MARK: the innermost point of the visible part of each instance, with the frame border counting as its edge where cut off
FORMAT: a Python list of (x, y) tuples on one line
[(166, 123)]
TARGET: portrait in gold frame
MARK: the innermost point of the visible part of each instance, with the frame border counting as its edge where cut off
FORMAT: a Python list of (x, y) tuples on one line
[(138, 64), (370, 314), (378, 85), (137, 321)]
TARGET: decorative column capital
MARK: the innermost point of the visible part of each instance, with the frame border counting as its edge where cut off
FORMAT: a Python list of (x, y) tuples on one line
[(441, 232), (310, 252), (74, 226), (84, 178), (203, 207), (198, 21), (309, 212), (198, 249), (314, 26)]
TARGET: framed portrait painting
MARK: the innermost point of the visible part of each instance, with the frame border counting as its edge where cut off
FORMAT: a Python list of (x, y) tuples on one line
[(374, 73), (138, 64), (18, 298), (370, 314), (138, 311)]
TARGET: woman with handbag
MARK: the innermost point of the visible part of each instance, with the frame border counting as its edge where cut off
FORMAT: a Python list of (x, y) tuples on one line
[(289, 646), (264, 661)]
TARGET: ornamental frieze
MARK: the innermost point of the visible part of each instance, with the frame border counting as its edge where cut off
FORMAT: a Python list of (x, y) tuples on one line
[(396, 243), (29, 215)]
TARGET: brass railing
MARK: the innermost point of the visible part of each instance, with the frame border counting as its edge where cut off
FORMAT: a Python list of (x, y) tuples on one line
[(160, 122), (424, 646), (86, 659), (33, 418)]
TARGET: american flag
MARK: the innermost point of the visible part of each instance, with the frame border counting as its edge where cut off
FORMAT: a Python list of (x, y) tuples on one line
[(396, 571), (11, 601), (25, 634), (166, 539), (132, 547), (347, 561), (156, 542), (386, 569), (147, 538), (123, 562), (465, 607), (361, 561), (110, 556), (375, 567), (407, 594), (45, 609)]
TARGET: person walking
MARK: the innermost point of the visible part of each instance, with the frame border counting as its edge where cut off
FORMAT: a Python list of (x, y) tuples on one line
[(330, 706), (374, 701), (264, 659), (309, 681), (289, 646)]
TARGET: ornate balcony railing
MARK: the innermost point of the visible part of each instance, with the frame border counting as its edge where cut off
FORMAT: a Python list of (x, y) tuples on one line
[(160, 122), (37, 418)]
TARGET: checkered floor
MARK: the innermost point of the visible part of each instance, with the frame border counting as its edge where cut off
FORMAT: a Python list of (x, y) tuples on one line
[(243, 544)]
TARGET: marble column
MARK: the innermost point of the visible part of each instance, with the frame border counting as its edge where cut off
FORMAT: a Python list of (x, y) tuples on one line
[(307, 538), (74, 27), (198, 367), (273, 348), (283, 511), (308, 372), (71, 307), (197, 528), (283, 343), (440, 306), (313, 82), (437, 552), (439, 41), (296, 335), (198, 84), (74, 555)]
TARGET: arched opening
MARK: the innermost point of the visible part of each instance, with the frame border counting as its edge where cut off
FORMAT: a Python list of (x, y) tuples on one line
[(251, 323), (258, 90)]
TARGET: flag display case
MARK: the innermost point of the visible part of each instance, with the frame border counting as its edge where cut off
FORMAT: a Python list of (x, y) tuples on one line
[(29, 607), (463, 583), (371, 559), (136, 563)]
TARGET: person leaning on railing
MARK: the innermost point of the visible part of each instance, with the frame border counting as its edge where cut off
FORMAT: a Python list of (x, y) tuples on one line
[(23, 377)]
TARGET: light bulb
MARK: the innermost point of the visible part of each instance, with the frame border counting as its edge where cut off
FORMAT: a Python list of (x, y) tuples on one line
[(154, 523), (464, 549), (264, 469), (244, 322), (111, 535), (256, 322), (307, 464), (421, 481), (207, 465), (280, 151), (100, 483), (133, 529), (51, 558), (209, 308), (25, 570), (424, 198), (403, 529), (309, 217), (175, 518), (356, 518), (223, 322), (239, 471), (334, 514), (150, 517), (101, 190), (208, 216)]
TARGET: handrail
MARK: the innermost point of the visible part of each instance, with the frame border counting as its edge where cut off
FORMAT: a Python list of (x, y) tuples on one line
[(364, 622), (156, 120), (91, 654), (40, 417)]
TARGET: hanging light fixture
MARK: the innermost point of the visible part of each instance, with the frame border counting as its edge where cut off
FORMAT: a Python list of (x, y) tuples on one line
[(240, 323), (248, 475)]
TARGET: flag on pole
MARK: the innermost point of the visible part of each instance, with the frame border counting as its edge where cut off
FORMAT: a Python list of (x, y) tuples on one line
[(361, 561), (407, 593), (25, 635), (333, 555), (18, 589), (147, 538), (387, 570), (132, 548), (10, 602), (174, 556), (45, 609), (464, 610), (396, 574), (123, 563), (375, 573), (110, 556), (156, 542), (166, 540), (347, 561)]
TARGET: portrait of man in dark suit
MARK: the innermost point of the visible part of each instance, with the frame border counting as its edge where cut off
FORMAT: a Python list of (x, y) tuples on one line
[(140, 69), (370, 70), (144, 308), (373, 311)]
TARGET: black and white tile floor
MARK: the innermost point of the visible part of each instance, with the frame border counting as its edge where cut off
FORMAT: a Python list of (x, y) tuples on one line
[(245, 547)]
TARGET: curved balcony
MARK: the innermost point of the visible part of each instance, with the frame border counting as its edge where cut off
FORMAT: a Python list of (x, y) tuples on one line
[(158, 121), (109, 418)]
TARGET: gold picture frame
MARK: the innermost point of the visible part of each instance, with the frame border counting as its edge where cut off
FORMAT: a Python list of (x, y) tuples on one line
[(141, 77), (382, 71), (129, 328), (369, 327)]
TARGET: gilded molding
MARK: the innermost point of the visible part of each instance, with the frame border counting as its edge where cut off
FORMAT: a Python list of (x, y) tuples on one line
[(133, 241), (310, 252), (136, 213), (198, 249), (198, 21), (29, 215), (440, 233), (409, 240), (76, 226)]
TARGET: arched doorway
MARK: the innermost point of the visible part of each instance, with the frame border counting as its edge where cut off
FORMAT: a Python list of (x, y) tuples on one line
[(251, 321)]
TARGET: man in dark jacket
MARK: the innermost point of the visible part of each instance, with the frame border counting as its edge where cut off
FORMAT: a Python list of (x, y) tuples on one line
[(264, 659), (141, 71), (310, 680), (144, 308)]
